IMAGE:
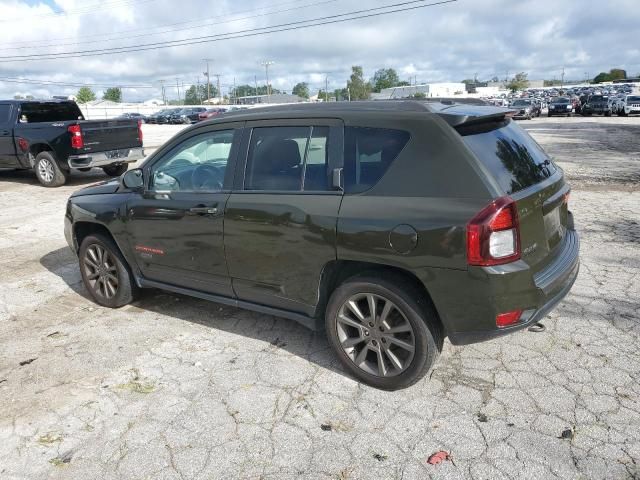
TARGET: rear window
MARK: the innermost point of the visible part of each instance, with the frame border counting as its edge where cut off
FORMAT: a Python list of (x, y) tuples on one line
[(368, 154), (49, 112), (514, 159)]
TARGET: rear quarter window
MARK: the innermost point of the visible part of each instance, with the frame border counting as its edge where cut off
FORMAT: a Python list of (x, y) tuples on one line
[(368, 154), (513, 158)]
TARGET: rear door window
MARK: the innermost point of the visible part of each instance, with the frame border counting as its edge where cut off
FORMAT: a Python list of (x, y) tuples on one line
[(5, 111), (288, 159), (515, 160), (49, 112), (368, 154)]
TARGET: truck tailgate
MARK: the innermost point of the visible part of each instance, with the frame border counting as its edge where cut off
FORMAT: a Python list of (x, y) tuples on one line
[(105, 135)]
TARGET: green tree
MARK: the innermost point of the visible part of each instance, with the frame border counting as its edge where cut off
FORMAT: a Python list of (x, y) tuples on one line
[(418, 96), (617, 74), (325, 96), (360, 90), (85, 95), (301, 89), (191, 96), (614, 74), (113, 94), (601, 77), (403, 83), (519, 82), (385, 78), (196, 95)]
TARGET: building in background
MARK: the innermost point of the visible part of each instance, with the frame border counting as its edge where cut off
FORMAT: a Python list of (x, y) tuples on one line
[(273, 98), (427, 90)]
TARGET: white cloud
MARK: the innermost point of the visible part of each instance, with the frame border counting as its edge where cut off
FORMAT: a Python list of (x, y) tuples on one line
[(443, 43)]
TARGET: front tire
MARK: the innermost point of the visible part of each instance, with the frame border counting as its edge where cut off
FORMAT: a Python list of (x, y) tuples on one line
[(105, 272), (115, 170), (384, 332), (48, 171)]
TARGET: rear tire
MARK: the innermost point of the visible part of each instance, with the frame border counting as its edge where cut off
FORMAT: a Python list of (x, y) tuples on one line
[(105, 272), (116, 170), (387, 351), (48, 171)]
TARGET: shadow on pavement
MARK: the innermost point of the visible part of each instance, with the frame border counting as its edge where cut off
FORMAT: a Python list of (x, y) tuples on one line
[(28, 177), (278, 332)]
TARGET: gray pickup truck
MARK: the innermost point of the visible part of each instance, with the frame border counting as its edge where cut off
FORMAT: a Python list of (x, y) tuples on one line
[(52, 138)]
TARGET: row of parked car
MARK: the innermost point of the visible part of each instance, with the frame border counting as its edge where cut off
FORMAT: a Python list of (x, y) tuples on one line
[(586, 105), (186, 115)]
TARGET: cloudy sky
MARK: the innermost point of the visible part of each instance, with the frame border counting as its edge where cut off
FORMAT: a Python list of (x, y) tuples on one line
[(447, 42)]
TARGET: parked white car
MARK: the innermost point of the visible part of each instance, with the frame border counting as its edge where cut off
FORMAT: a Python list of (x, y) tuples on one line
[(629, 105)]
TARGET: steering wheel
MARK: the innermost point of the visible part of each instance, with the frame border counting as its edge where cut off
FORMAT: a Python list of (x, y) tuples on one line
[(207, 177)]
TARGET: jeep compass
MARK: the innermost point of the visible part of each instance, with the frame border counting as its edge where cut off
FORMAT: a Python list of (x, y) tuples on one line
[(389, 225)]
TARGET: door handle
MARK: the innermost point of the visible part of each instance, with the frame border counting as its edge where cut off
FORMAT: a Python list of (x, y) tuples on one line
[(204, 210), (6, 132)]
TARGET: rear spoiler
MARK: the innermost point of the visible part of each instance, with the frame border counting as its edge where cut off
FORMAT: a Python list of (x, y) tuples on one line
[(467, 115)]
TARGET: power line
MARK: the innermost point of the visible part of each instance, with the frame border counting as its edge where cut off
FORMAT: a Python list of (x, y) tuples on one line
[(84, 10), (33, 81), (331, 19), (28, 43), (178, 29)]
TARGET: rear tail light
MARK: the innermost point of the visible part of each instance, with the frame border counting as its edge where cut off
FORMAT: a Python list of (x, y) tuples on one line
[(140, 135), (493, 235), (76, 136), (508, 318)]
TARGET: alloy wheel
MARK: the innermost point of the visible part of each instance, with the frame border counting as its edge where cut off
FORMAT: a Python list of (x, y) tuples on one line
[(45, 169), (100, 271), (375, 335)]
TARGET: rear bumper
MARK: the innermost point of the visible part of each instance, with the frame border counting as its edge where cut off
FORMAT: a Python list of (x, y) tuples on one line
[(101, 159), (468, 301)]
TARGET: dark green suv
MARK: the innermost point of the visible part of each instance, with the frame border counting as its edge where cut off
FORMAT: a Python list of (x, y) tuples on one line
[(390, 225)]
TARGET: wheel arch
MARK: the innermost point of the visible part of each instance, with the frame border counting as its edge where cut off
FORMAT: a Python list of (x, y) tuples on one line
[(336, 272), (39, 147), (83, 229)]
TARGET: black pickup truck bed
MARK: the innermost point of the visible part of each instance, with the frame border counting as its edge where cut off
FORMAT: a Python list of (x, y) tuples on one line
[(53, 138)]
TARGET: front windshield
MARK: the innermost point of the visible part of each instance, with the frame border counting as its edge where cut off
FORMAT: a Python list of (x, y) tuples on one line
[(633, 99), (521, 103), (561, 100)]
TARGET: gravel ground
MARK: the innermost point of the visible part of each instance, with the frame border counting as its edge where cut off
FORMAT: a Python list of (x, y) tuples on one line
[(174, 387)]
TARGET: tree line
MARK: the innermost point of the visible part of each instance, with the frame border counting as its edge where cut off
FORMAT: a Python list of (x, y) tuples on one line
[(357, 87)]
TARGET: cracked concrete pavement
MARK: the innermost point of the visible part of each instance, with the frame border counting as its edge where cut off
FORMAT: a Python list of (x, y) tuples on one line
[(178, 388)]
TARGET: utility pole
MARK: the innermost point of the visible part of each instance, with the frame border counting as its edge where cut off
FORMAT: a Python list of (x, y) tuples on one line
[(198, 91), (178, 90), (234, 90), (206, 74), (562, 81), (326, 88), (217, 75), (164, 97), (255, 80), (266, 64)]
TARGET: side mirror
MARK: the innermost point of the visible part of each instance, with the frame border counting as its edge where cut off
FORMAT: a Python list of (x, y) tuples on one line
[(133, 179)]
